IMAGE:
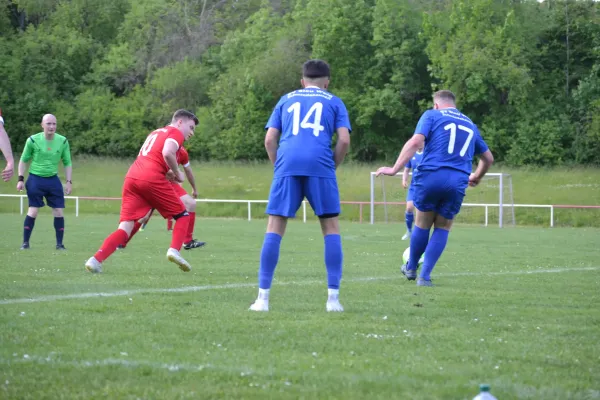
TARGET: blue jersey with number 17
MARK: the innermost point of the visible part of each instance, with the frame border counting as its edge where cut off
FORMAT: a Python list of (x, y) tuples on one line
[(307, 119), (451, 140)]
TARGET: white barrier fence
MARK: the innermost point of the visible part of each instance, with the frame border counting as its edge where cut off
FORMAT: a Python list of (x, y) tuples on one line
[(361, 205)]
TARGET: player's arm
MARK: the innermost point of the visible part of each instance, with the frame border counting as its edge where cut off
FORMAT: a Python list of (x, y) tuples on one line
[(272, 143), (66, 159), (26, 157), (6, 149), (408, 151), (190, 177), (485, 162), (405, 177), (169, 153), (486, 159), (342, 145)]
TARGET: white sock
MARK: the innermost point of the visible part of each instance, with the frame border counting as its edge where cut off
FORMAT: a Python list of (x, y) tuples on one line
[(333, 292), (263, 294)]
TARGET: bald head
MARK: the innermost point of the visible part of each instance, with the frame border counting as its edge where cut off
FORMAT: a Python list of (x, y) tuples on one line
[(49, 124)]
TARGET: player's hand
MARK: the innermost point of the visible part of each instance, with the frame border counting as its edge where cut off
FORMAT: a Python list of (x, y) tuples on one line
[(68, 188), (20, 186), (473, 180), (179, 177), (170, 175), (385, 171), (195, 194), (8, 172), (404, 184)]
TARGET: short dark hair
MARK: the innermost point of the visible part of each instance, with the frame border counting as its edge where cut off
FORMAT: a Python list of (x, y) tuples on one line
[(445, 96), (185, 114), (314, 69)]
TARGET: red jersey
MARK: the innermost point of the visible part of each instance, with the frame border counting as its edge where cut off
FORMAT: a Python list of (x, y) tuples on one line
[(150, 164), (183, 157)]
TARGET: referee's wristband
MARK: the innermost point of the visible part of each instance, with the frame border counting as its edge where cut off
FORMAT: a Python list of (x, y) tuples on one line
[(21, 178)]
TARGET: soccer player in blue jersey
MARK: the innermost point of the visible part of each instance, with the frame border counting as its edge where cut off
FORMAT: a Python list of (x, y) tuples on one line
[(298, 142), (413, 163), (451, 140)]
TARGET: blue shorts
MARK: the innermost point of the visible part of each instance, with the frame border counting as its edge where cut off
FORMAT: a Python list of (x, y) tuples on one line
[(51, 188), (288, 192), (411, 193), (441, 191)]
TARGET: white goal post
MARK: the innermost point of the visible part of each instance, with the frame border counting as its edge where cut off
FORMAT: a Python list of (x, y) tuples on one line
[(494, 192)]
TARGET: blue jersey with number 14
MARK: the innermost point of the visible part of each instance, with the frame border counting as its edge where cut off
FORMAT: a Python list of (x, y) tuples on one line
[(451, 140), (307, 119)]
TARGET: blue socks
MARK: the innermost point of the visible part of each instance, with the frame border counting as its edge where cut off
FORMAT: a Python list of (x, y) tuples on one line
[(268, 260), (333, 260), (28, 228), (435, 248), (410, 218), (59, 227), (418, 244)]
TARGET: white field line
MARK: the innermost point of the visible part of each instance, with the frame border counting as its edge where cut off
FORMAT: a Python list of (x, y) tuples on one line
[(186, 289)]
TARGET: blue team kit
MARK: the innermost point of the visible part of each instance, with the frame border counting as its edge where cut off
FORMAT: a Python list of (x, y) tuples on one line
[(305, 167), (441, 178)]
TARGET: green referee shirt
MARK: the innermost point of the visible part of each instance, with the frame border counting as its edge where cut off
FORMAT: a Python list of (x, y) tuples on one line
[(45, 155)]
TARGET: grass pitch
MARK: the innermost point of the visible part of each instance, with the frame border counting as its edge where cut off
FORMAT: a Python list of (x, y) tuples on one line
[(516, 308)]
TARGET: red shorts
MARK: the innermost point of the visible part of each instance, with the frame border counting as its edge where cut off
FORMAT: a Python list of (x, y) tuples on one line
[(139, 197), (179, 189)]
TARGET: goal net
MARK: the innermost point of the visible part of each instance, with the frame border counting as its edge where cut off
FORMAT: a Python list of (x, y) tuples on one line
[(489, 203)]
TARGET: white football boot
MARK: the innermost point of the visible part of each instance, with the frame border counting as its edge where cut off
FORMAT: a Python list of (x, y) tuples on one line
[(333, 301), (94, 266), (406, 235), (174, 256), (262, 301)]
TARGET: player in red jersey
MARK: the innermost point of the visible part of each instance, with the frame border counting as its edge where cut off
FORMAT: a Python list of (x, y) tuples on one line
[(188, 201), (146, 187)]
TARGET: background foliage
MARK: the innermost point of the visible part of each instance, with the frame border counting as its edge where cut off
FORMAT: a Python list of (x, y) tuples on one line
[(528, 73)]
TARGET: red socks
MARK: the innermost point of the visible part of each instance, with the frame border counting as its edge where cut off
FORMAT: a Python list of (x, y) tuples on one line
[(190, 232), (110, 244), (180, 231)]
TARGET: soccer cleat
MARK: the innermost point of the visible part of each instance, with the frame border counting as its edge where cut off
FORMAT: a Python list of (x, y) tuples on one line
[(121, 247), (406, 235), (410, 274), (174, 256), (423, 282), (193, 244), (260, 305), (333, 305), (25, 246), (60, 247), (94, 266)]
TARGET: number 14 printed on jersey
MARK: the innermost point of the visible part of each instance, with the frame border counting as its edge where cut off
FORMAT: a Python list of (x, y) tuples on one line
[(315, 125)]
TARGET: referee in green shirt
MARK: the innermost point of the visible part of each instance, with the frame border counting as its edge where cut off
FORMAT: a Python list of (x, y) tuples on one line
[(45, 150)]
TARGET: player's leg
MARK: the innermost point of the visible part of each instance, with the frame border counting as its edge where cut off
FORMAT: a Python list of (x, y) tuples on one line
[(285, 198), (323, 196), (137, 226), (190, 205), (165, 200), (448, 207), (146, 220), (55, 197), (133, 207), (425, 194), (36, 200), (109, 246), (409, 215)]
